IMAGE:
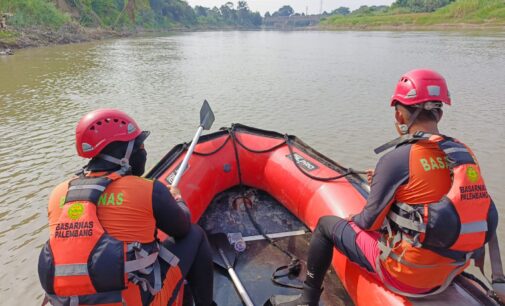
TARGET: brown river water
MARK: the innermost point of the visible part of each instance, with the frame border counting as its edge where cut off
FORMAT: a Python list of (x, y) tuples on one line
[(329, 88)]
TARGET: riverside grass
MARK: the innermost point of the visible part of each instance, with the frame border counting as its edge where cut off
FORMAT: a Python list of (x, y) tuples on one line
[(471, 12), (28, 13)]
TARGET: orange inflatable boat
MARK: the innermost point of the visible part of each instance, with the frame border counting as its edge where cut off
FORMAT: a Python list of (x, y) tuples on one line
[(244, 181)]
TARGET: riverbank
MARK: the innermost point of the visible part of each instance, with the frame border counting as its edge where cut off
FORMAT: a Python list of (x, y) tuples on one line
[(412, 27), (72, 33), (459, 15), (39, 37)]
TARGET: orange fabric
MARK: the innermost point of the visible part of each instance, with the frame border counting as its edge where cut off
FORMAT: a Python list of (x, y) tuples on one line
[(131, 295), (379, 222), (473, 204), (419, 277), (168, 289), (429, 178), (429, 181), (81, 241), (124, 209), (125, 212)]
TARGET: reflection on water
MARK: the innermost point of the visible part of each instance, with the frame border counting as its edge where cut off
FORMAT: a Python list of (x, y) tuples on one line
[(329, 88)]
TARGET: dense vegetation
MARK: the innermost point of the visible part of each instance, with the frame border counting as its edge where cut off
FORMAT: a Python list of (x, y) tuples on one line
[(228, 15), (33, 12), (412, 13), (418, 6), (120, 14)]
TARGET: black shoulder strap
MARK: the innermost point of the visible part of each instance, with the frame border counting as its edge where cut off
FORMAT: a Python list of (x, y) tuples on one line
[(408, 138), (87, 189)]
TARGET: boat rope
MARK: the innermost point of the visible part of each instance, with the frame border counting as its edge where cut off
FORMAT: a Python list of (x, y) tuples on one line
[(275, 147), (349, 171), (294, 267), (286, 141), (216, 150)]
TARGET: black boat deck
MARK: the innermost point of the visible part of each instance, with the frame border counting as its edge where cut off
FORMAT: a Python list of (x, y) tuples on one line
[(256, 264)]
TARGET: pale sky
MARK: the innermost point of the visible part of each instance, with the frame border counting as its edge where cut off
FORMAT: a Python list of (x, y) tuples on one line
[(298, 5)]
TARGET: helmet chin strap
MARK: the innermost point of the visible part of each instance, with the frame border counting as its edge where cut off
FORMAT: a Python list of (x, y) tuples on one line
[(123, 162), (404, 128)]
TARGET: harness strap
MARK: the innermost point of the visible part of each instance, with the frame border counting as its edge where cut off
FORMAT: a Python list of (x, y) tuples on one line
[(157, 276), (402, 139), (74, 301), (141, 263), (143, 283), (407, 223), (406, 207), (168, 256), (457, 270), (404, 262), (144, 260), (123, 162), (496, 263)]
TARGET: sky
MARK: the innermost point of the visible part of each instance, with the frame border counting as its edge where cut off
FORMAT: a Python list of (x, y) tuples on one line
[(313, 6)]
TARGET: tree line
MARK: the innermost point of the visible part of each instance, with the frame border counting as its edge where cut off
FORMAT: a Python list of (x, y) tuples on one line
[(399, 6), (159, 14)]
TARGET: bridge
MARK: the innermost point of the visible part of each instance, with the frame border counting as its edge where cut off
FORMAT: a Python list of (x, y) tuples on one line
[(283, 22)]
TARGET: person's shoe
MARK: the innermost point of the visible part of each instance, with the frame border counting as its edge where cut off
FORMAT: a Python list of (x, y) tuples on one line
[(309, 297)]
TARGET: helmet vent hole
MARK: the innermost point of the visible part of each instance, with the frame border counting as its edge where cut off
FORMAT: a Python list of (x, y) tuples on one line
[(122, 122), (116, 120), (92, 128), (107, 120), (99, 123)]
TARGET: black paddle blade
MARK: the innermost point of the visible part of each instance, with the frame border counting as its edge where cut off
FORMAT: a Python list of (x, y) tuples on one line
[(206, 116), (223, 253)]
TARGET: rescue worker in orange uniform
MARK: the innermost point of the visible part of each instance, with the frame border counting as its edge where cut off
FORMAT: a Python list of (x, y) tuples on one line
[(428, 211), (130, 209)]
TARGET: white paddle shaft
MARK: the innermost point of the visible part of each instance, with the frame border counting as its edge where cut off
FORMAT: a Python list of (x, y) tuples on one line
[(185, 161), (240, 288)]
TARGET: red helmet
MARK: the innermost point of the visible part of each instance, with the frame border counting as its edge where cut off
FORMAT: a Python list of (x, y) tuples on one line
[(101, 127), (421, 86)]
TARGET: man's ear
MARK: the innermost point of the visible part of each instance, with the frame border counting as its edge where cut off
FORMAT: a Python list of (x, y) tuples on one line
[(400, 117)]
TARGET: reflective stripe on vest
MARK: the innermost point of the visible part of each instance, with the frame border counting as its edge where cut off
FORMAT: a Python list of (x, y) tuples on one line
[(461, 215), (473, 227), (79, 230), (464, 201)]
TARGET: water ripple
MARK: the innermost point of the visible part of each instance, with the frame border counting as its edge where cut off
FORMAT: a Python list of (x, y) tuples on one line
[(329, 88)]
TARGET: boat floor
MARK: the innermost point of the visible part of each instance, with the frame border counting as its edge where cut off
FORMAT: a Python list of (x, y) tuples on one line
[(256, 264)]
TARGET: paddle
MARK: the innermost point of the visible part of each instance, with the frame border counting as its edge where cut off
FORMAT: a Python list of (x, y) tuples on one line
[(206, 120), (224, 256)]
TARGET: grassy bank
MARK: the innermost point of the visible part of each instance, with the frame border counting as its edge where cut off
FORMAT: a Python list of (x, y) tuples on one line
[(459, 14), (43, 22)]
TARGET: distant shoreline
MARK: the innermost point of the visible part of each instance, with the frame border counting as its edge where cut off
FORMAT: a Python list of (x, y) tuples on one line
[(413, 27), (36, 37)]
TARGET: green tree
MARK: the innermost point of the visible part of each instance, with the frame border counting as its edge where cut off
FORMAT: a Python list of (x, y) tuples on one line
[(285, 11), (421, 5), (341, 11)]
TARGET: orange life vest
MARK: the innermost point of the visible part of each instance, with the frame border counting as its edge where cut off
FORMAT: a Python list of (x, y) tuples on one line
[(82, 264), (438, 237)]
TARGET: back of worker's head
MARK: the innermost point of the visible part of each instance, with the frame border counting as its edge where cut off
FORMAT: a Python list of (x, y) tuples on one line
[(419, 97), (113, 140)]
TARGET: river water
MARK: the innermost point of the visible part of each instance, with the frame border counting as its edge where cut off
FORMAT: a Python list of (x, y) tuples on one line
[(329, 88)]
